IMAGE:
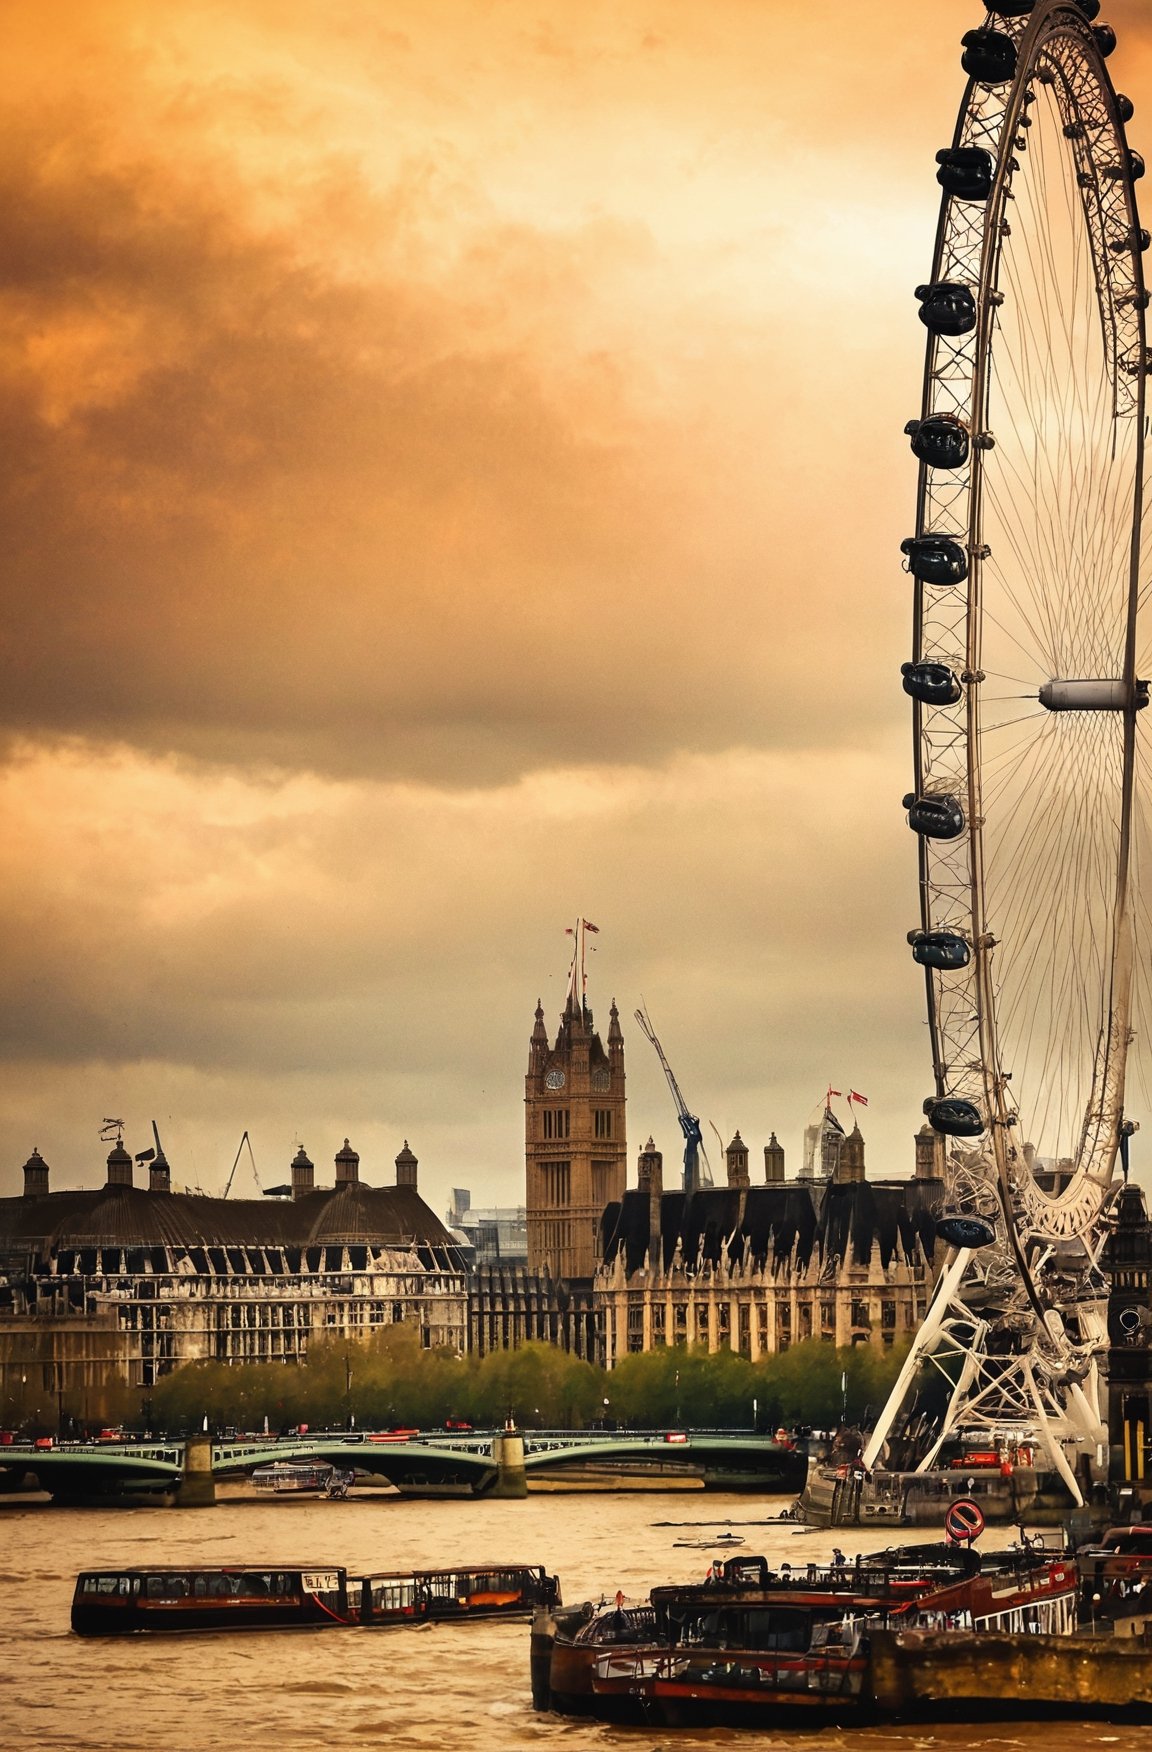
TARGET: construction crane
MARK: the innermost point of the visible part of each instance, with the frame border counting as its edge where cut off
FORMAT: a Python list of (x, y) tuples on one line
[(244, 1140), (694, 1176)]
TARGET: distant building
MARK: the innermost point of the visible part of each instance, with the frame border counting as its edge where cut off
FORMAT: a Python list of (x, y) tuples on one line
[(495, 1235), (126, 1282)]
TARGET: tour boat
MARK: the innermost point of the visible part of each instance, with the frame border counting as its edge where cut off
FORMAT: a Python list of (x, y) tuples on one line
[(294, 1477), (117, 1602), (482, 1591)]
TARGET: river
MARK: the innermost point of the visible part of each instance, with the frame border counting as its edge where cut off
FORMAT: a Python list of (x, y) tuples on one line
[(460, 1687)]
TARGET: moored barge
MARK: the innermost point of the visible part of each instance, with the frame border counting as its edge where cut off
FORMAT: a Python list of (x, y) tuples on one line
[(751, 1645)]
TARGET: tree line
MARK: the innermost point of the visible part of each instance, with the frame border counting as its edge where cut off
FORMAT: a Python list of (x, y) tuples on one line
[(389, 1381)]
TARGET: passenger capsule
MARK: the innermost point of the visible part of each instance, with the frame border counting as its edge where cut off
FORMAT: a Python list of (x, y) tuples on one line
[(1132, 167), (1105, 38), (1010, 8), (946, 951), (1132, 240), (989, 56), (965, 1228), (941, 440), (933, 684), (1090, 9), (1125, 108), (947, 308), (955, 1119), (966, 172), (935, 559), (939, 818)]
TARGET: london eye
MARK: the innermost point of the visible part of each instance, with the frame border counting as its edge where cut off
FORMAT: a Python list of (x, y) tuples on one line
[(1026, 690)]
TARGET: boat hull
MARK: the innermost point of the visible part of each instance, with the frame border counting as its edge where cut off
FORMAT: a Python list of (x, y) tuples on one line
[(840, 1497)]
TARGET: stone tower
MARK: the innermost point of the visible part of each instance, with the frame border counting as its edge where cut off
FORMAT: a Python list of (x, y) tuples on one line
[(575, 1143), (1127, 1259), (850, 1159)]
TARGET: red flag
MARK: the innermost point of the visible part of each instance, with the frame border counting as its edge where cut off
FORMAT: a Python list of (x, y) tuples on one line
[(590, 927), (830, 1094), (862, 1099)]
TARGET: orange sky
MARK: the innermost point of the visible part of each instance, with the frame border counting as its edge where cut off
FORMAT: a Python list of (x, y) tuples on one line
[(454, 478)]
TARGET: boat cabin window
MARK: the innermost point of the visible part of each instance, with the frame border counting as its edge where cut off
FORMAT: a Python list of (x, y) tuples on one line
[(443, 1585), (393, 1596), (110, 1584)]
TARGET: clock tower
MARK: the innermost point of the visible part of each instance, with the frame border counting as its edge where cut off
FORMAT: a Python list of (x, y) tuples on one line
[(574, 1139)]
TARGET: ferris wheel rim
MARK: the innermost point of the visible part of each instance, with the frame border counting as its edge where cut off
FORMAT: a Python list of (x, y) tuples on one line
[(1050, 22)]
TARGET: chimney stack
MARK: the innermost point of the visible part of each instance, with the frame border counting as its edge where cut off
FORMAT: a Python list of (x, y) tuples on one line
[(303, 1175), (347, 1166), (35, 1176), (736, 1156), (929, 1154), (119, 1165), (650, 1176), (406, 1165)]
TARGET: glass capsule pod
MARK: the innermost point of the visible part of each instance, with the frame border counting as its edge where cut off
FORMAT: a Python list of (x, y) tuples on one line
[(941, 440), (954, 1118), (966, 172), (940, 817), (947, 308), (936, 559), (933, 684), (946, 951), (989, 56), (965, 1228)]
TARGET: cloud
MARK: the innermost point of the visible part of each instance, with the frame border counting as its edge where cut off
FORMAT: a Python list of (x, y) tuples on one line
[(373, 467)]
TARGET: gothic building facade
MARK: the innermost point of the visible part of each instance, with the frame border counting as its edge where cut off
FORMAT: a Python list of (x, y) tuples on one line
[(757, 1268)]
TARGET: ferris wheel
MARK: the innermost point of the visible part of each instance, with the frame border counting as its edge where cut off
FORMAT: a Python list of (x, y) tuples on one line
[(1026, 691)]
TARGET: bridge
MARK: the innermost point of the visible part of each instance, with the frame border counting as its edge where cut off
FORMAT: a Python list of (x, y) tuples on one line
[(423, 1464)]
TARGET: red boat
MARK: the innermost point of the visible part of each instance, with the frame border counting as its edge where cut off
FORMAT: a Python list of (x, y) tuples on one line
[(750, 1644)]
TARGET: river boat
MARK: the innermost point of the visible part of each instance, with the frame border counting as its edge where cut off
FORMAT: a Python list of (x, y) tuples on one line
[(1008, 1485), (1116, 1579), (119, 1602), (411, 1597), (750, 1644), (302, 1478)]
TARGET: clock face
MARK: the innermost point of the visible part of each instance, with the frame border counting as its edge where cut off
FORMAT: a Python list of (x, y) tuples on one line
[(554, 1079)]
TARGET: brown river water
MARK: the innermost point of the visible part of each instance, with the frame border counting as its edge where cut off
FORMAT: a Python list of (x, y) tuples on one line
[(461, 1687)]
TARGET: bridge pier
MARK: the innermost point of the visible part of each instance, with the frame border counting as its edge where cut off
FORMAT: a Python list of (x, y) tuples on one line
[(508, 1453), (197, 1488)]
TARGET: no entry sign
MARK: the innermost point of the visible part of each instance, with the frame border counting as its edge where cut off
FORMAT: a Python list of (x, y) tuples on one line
[(964, 1521)]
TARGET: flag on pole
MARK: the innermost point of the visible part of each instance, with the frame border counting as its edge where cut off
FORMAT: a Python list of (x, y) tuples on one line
[(830, 1094), (862, 1100), (589, 926)]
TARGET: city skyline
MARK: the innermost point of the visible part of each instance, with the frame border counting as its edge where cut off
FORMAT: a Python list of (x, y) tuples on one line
[(455, 478)]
